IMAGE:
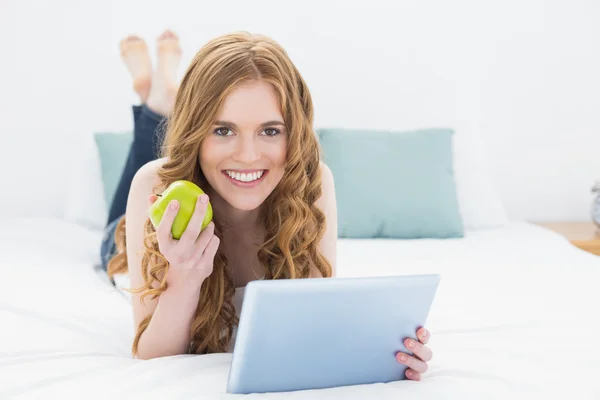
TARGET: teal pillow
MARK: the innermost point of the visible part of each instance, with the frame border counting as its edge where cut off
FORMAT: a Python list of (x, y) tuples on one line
[(113, 149), (393, 184)]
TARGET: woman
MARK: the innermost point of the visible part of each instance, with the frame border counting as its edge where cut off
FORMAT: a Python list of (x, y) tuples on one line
[(241, 128)]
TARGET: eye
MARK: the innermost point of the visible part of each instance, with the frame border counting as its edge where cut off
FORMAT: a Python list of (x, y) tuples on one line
[(271, 131), (222, 131)]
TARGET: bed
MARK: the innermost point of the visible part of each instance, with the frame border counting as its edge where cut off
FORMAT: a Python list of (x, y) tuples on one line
[(516, 316)]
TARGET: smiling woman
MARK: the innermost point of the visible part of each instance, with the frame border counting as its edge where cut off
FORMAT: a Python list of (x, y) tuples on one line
[(240, 127)]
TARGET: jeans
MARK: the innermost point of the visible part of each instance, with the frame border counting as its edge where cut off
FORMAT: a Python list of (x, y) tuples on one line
[(148, 129)]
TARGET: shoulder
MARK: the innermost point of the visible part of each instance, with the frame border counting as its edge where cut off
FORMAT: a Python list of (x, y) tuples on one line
[(147, 176), (325, 169), (327, 203), (144, 183), (327, 183), (149, 170)]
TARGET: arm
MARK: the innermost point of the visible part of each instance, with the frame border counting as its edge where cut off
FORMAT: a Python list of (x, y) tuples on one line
[(327, 204), (169, 330)]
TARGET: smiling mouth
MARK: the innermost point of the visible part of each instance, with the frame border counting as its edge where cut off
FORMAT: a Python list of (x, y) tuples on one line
[(246, 177)]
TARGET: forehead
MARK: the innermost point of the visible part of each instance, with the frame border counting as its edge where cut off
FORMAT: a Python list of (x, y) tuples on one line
[(251, 103)]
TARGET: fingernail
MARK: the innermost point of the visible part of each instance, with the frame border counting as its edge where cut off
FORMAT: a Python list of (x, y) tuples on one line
[(410, 344), (409, 372), (402, 357), (203, 198), (424, 333), (174, 205)]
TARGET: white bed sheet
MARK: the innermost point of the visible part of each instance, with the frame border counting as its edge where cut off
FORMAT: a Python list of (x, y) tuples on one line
[(516, 316)]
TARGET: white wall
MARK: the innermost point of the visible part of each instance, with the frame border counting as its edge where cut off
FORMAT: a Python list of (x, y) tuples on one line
[(526, 74)]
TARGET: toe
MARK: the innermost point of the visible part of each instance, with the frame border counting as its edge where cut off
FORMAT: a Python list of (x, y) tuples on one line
[(168, 34), (128, 41)]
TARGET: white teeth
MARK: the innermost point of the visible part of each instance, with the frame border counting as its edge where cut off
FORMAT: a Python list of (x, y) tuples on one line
[(243, 177)]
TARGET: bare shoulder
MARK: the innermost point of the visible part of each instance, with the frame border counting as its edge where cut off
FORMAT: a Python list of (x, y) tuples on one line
[(324, 167), (147, 175), (327, 183), (328, 204)]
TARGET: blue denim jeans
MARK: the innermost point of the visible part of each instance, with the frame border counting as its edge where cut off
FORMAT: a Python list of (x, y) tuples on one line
[(108, 248), (148, 133)]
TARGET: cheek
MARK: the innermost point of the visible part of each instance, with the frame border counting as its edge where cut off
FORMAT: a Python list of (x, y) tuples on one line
[(209, 158), (278, 158), (279, 154), (212, 152)]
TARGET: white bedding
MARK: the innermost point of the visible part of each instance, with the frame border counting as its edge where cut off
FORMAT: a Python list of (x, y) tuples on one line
[(516, 316)]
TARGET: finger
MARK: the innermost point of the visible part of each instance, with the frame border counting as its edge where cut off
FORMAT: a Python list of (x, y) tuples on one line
[(151, 199), (194, 227), (413, 375), (203, 241), (211, 249), (205, 237), (412, 362), (423, 335), (163, 232), (204, 260), (420, 350)]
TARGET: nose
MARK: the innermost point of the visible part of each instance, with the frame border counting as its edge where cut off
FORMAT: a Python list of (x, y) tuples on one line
[(246, 150)]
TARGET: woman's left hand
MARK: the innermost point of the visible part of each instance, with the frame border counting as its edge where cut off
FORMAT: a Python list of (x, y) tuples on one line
[(417, 363)]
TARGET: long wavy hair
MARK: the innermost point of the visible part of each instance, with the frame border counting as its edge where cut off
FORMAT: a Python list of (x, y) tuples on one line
[(293, 224)]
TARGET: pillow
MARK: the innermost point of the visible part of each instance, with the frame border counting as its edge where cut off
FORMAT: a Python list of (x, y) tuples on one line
[(480, 204), (113, 149), (393, 184)]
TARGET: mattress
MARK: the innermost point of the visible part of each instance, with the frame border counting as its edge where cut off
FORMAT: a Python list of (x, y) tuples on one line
[(516, 315)]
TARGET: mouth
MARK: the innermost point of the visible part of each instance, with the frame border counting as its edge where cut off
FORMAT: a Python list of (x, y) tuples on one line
[(246, 178)]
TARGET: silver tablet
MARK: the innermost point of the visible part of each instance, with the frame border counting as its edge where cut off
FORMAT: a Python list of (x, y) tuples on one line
[(297, 334)]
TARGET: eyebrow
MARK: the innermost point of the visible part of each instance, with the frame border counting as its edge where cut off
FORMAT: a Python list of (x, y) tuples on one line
[(234, 126)]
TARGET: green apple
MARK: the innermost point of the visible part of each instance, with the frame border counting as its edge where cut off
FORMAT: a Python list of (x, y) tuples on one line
[(186, 193)]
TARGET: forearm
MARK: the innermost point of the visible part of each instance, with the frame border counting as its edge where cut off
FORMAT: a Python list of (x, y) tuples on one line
[(169, 330)]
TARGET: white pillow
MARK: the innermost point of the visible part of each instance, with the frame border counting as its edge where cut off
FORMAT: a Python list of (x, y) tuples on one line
[(479, 202), (85, 204)]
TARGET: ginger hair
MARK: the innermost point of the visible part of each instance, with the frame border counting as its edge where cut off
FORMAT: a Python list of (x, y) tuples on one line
[(294, 225)]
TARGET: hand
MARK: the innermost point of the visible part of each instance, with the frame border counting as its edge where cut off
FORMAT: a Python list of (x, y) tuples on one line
[(417, 363), (191, 257)]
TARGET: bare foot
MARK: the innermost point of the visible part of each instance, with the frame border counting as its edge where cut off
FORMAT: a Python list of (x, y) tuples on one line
[(164, 80), (134, 53)]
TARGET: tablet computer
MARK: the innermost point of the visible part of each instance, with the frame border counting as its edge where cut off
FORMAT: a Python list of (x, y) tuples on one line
[(297, 334)]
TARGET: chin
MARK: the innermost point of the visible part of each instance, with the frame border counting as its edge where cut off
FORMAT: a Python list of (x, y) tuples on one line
[(244, 203)]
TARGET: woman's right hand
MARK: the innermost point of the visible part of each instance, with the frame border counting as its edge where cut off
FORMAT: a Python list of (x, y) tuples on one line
[(191, 257)]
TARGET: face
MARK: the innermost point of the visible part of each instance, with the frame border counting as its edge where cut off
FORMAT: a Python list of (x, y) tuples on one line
[(243, 157)]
